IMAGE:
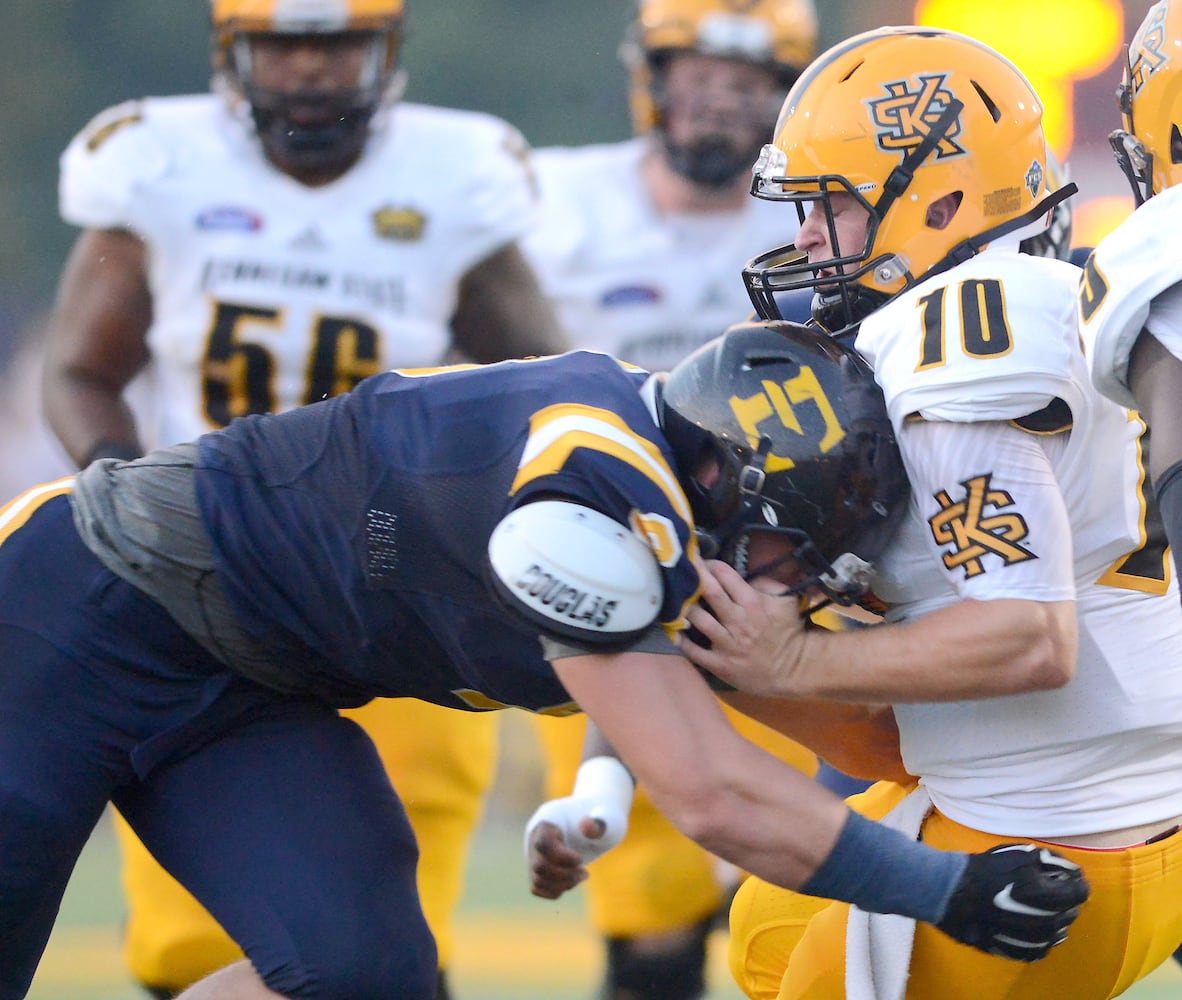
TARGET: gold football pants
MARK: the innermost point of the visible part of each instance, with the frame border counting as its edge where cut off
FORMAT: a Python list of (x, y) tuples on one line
[(785, 946)]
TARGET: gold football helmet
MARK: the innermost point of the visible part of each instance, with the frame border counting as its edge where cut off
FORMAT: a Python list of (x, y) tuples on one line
[(898, 118), (1148, 146), (778, 34), (337, 131)]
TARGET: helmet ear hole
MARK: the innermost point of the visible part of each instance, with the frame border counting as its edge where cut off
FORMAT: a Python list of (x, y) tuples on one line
[(1175, 144), (707, 467), (941, 211)]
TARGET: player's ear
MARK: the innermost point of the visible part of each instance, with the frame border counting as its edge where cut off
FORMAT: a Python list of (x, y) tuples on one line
[(943, 210)]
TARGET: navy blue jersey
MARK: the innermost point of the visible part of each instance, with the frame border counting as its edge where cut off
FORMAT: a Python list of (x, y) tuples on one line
[(351, 536)]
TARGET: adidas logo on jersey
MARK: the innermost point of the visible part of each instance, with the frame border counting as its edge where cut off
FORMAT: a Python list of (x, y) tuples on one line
[(309, 239)]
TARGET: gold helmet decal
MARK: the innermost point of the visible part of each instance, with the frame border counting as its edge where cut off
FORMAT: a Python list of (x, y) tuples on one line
[(909, 110), (1148, 53)]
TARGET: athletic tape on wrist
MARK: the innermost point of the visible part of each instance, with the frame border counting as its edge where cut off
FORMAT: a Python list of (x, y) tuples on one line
[(607, 780)]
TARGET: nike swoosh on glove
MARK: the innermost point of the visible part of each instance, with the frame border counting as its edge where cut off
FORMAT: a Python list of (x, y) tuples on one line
[(1016, 900)]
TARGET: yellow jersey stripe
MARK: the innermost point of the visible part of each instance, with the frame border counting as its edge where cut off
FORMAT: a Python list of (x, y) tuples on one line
[(17, 512), (558, 430)]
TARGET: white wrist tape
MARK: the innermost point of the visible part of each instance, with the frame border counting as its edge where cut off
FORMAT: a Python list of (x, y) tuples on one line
[(606, 780), (603, 791)]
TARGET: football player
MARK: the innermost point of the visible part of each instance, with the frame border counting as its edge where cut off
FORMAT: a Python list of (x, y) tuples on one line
[(267, 246), (179, 630), (640, 243), (1032, 625), (640, 246), (1130, 306)]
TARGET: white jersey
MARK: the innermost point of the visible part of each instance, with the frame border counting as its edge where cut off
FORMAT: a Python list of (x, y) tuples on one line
[(1053, 510), (268, 293), (642, 286), (1129, 285)]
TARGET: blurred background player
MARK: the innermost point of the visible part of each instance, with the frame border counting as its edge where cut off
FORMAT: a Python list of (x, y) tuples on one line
[(641, 243), (265, 246), (640, 248)]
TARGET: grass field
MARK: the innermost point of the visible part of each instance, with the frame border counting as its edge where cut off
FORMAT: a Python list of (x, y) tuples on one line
[(510, 946)]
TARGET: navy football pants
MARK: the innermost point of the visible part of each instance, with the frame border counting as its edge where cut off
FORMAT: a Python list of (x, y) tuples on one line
[(274, 811)]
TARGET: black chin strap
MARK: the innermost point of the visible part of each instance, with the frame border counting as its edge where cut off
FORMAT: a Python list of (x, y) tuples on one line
[(751, 482), (968, 248)]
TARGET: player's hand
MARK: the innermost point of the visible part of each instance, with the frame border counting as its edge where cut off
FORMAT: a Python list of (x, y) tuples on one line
[(554, 868), (1016, 900), (752, 632), (563, 835)]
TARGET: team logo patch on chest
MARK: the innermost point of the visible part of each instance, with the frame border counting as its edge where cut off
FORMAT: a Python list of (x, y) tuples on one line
[(403, 224), (974, 533)]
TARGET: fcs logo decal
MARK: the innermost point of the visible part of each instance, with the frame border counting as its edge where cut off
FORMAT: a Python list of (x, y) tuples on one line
[(1033, 178), (230, 218), (630, 295), (906, 115), (963, 524)]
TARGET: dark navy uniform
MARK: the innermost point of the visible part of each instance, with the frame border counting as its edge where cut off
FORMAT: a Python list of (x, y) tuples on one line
[(348, 540), (361, 560)]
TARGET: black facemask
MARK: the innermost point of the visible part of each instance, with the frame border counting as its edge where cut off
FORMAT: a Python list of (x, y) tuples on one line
[(713, 162), (329, 133)]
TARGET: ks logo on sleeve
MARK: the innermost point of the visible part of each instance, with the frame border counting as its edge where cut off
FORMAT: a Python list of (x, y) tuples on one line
[(966, 525)]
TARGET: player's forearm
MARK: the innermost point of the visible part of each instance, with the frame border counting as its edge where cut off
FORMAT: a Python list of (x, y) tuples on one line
[(973, 649), (502, 312), (739, 801), (88, 416), (781, 826)]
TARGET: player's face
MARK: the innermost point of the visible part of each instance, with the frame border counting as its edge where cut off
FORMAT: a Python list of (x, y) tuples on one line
[(769, 555), (309, 64), (849, 220), (708, 97)]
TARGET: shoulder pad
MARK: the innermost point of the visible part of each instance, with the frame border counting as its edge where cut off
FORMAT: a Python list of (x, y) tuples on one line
[(575, 573), (105, 164)]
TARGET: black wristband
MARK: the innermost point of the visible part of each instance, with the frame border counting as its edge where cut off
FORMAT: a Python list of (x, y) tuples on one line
[(106, 448)]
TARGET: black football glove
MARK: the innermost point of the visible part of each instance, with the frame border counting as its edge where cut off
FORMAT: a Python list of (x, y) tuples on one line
[(1016, 900)]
